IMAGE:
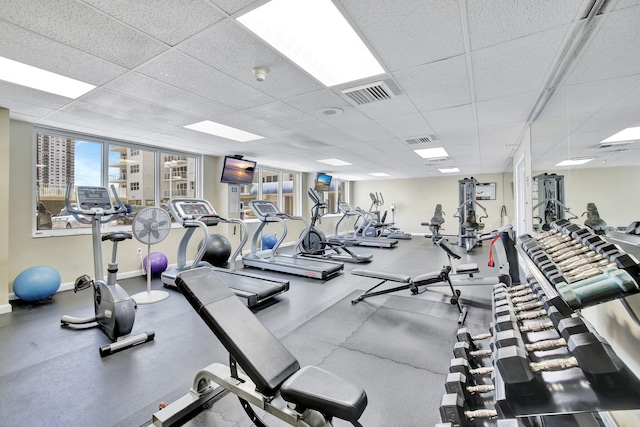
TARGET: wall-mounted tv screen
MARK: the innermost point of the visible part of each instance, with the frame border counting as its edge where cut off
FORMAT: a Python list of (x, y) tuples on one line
[(323, 181), (237, 171)]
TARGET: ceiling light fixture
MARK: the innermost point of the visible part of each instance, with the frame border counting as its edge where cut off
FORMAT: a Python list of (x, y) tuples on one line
[(449, 170), (432, 153), (37, 78), (573, 162), (217, 129), (628, 134), (379, 174), (314, 35), (335, 162)]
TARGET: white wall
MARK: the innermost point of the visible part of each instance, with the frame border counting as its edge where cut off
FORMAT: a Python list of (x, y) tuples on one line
[(415, 199)]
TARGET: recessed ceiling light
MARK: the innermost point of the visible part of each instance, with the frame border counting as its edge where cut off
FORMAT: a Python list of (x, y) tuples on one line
[(314, 35), (449, 170), (217, 129), (37, 78), (574, 162), (335, 162), (330, 111), (628, 134), (432, 153), (379, 174)]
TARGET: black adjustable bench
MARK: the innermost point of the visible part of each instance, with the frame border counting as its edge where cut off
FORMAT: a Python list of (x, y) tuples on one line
[(272, 379)]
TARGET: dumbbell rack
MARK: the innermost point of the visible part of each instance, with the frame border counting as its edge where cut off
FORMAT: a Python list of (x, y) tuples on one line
[(561, 391)]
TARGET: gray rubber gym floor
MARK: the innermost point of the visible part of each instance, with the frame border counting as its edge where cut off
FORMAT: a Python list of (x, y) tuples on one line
[(396, 346)]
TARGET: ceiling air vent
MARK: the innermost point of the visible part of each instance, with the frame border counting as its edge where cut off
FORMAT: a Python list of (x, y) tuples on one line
[(613, 144), (366, 94), (420, 140)]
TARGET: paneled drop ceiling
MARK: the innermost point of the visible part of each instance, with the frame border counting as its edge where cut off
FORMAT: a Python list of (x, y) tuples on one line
[(467, 75)]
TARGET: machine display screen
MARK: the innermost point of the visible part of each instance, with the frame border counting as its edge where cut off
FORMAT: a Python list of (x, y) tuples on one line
[(266, 208), (194, 209), (93, 197)]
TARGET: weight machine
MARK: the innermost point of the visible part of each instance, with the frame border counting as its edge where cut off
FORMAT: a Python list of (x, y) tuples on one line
[(551, 206), (470, 224)]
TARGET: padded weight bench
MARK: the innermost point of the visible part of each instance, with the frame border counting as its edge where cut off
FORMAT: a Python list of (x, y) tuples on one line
[(419, 283), (273, 379)]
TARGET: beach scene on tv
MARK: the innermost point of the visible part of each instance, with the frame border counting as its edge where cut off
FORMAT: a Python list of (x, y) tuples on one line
[(238, 171)]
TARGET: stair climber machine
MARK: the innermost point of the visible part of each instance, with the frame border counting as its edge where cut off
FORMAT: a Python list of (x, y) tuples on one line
[(470, 225), (115, 310), (267, 212), (316, 245), (351, 238), (551, 206), (195, 214)]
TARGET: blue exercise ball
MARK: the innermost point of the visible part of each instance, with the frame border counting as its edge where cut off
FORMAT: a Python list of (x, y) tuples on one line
[(36, 283), (269, 241), (159, 262), (218, 250)]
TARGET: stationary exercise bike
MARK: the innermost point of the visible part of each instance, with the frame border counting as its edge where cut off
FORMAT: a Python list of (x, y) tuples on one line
[(115, 310)]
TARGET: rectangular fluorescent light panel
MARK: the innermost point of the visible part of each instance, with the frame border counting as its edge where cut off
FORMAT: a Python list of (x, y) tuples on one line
[(575, 162), (449, 170), (36, 78), (628, 134), (335, 162), (217, 129), (314, 35), (432, 153), (379, 174)]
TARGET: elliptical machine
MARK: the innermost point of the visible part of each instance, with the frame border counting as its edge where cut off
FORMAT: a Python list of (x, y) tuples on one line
[(115, 310), (315, 243)]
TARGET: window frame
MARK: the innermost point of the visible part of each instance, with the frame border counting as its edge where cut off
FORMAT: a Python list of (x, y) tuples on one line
[(104, 176)]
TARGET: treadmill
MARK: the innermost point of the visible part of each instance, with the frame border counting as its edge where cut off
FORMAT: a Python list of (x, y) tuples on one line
[(198, 213), (267, 212), (350, 239)]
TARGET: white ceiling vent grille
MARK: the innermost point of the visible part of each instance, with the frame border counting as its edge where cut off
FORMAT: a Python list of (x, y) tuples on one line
[(366, 94), (613, 144), (420, 140)]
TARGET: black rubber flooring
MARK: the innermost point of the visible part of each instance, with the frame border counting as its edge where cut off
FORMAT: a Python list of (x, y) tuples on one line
[(396, 346)]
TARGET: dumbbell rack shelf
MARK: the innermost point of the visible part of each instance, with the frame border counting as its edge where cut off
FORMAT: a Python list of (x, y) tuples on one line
[(565, 391)]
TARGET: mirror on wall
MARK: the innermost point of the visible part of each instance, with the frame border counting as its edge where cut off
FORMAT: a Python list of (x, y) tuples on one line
[(574, 135)]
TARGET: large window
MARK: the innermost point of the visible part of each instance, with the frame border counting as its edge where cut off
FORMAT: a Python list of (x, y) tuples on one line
[(337, 193), (141, 177), (279, 186)]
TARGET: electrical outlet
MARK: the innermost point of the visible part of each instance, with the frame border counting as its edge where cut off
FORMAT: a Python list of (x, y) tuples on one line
[(139, 251)]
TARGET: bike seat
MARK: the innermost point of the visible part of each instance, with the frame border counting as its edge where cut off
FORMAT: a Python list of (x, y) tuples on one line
[(117, 236)]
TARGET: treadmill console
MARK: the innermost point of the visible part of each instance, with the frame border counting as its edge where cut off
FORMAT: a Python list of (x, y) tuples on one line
[(94, 199), (192, 210), (265, 209)]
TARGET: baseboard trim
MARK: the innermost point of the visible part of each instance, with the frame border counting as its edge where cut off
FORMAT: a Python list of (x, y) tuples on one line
[(5, 308)]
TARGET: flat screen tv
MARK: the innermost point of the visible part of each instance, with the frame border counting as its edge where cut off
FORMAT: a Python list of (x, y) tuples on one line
[(323, 181), (237, 171)]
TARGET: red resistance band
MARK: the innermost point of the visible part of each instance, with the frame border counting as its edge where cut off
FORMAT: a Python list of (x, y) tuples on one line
[(491, 263)]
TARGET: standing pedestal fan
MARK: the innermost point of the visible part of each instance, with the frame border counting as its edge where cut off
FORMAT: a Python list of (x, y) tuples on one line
[(150, 226)]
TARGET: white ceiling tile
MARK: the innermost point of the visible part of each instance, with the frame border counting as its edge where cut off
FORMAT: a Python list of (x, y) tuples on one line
[(39, 51), (164, 20), (496, 22), (232, 49), (180, 70), (450, 118), (437, 85), (505, 110), (83, 27), (503, 134), (34, 97), (407, 33), (233, 6), (612, 52), (149, 89), (516, 67), (409, 126)]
